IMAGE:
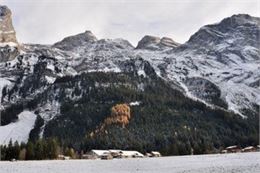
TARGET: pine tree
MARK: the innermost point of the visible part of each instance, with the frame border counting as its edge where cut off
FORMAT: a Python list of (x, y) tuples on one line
[(9, 151), (16, 150), (39, 149), (30, 155), (52, 147)]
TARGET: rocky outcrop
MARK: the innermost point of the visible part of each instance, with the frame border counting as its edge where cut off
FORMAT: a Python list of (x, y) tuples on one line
[(156, 43), (147, 41), (166, 41), (205, 90), (9, 47), (8, 53), (69, 43), (7, 32)]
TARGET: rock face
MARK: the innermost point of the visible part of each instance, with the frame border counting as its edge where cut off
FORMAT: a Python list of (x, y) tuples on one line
[(69, 43), (156, 43), (147, 41), (166, 41), (9, 48), (7, 32)]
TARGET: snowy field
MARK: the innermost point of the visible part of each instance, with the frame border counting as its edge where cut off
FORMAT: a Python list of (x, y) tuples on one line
[(220, 163)]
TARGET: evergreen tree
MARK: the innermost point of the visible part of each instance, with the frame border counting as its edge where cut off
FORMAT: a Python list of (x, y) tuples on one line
[(30, 155), (39, 149), (52, 148), (16, 150), (9, 151)]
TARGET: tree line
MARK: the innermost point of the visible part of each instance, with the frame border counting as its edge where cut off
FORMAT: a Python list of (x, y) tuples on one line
[(41, 149)]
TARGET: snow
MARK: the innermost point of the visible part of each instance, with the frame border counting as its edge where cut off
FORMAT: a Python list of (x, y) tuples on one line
[(50, 67), (141, 73), (105, 70), (50, 80), (19, 130), (218, 163), (70, 72), (136, 103)]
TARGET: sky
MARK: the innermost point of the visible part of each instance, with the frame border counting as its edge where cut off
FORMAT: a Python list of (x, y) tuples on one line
[(48, 21)]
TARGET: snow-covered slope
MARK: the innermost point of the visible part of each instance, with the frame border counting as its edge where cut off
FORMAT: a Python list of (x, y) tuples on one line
[(226, 54), (224, 57), (18, 131)]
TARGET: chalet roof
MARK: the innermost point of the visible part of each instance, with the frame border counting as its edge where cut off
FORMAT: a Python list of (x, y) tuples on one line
[(131, 153), (248, 148), (100, 152), (156, 152), (121, 152), (114, 151), (231, 147)]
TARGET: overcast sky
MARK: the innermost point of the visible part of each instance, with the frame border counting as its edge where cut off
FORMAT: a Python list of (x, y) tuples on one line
[(48, 21)]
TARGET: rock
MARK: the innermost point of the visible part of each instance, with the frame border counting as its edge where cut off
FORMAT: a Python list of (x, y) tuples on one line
[(7, 32), (156, 43), (166, 41), (147, 41), (8, 53), (69, 43), (230, 28), (9, 47)]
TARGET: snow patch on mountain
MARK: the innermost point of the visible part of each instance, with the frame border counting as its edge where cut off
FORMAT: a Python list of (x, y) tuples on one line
[(18, 131)]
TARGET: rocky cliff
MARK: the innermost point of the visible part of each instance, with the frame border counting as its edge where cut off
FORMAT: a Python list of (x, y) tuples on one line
[(8, 42)]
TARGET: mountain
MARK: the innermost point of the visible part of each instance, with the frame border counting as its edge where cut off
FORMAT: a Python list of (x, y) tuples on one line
[(203, 94), (227, 56)]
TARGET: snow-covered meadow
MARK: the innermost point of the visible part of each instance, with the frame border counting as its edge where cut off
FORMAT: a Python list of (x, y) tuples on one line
[(217, 163)]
